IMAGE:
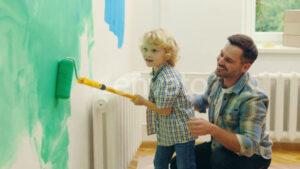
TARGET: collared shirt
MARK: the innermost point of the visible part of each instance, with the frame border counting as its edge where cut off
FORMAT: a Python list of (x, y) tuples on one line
[(243, 111), (167, 91), (219, 102)]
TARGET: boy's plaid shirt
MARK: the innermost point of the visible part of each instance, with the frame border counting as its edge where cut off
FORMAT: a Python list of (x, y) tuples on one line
[(243, 111), (167, 91)]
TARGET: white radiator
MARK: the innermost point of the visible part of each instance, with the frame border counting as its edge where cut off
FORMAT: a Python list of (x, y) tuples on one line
[(117, 129), (284, 110)]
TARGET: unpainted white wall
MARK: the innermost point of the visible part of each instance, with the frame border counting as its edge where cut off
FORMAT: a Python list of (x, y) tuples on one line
[(201, 29)]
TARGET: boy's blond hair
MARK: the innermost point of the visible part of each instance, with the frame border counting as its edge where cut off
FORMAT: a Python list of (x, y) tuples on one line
[(162, 39)]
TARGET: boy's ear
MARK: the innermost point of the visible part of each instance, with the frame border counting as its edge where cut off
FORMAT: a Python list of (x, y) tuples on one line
[(168, 55)]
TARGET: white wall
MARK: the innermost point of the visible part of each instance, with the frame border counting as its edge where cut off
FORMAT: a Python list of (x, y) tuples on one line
[(201, 29), (276, 62), (144, 16), (108, 63)]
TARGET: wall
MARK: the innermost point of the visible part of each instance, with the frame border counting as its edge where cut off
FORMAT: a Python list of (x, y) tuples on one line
[(201, 29), (37, 130), (277, 62)]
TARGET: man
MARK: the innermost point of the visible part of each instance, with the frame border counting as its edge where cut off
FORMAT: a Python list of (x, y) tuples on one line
[(237, 112)]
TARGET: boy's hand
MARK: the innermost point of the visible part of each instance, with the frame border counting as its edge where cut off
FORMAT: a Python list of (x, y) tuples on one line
[(138, 100)]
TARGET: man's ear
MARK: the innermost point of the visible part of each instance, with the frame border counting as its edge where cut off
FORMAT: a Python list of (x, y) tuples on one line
[(246, 67)]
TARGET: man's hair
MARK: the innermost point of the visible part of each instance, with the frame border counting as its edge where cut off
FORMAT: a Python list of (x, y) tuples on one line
[(247, 45), (161, 38)]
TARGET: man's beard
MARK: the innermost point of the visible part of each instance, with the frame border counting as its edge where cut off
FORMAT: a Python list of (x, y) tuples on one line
[(220, 74)]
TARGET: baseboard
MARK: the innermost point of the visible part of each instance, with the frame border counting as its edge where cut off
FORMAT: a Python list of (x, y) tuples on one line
[(276, 146), (148, 144), (286, 146)]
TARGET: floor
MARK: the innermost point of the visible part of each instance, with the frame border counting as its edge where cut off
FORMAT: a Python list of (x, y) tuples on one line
[(285, 156)]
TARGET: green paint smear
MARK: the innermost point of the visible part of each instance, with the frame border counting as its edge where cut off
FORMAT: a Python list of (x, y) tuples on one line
[(35, 35)]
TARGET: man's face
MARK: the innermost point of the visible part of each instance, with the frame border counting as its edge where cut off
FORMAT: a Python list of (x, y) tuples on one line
[(229, 63)]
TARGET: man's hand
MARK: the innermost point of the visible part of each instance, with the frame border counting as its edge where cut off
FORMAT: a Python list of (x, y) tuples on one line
[(199, 126), (138, 100)]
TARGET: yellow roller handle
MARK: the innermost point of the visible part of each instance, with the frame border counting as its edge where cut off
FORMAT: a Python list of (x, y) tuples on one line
[(101, 86)]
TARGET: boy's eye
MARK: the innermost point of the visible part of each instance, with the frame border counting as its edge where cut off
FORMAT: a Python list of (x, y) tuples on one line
[(154, 50), (145, 49)]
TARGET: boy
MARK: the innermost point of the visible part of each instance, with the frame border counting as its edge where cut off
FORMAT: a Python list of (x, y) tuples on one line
[(168, 107)]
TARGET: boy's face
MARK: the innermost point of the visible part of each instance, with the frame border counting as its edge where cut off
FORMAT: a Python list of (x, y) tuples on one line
[(154, 56)]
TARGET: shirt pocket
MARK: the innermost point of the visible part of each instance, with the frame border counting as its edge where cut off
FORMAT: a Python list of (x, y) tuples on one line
[(231, 118)]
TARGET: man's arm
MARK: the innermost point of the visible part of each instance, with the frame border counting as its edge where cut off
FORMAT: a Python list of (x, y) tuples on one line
[(252, 119), (253, 114)]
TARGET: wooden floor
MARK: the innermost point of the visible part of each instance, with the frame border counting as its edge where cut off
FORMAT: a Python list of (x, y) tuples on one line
[(285, 156)]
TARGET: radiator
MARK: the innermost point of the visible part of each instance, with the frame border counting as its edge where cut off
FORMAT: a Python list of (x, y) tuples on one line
[(117, 129), (283, 117)]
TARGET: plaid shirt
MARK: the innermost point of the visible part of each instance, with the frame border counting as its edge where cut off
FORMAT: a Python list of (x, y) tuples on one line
[(243, 111), (167, 91)]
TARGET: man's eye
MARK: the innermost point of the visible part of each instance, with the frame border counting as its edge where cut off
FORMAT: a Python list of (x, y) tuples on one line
[(228, 60)]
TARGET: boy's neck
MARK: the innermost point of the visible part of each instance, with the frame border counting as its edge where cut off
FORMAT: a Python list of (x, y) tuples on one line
[(155, 69)]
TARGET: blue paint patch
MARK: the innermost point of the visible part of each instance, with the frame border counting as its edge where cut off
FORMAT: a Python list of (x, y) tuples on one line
[(114, 17)]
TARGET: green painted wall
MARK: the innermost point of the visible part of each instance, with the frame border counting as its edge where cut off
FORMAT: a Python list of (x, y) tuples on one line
[(34, 36)]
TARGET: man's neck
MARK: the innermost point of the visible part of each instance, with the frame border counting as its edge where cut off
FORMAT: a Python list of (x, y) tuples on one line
[(229, 82)]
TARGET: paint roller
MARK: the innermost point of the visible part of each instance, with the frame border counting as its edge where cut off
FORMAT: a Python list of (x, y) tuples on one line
[(64, 81)]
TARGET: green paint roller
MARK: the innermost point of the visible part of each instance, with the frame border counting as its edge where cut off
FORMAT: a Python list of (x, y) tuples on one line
[(64, 81), (64, 78)]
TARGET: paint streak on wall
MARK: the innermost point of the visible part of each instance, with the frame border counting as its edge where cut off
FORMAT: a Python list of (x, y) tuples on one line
[(114, 17), (35, 35)]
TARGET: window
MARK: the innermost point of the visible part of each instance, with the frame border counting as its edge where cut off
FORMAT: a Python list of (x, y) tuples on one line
[(264, 19), (269, 14)]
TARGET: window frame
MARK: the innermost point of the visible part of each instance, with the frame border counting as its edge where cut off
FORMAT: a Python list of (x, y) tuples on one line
[(248, 26)]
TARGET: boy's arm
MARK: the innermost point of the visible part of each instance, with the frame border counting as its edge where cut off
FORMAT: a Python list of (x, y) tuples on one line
[(139, 100)]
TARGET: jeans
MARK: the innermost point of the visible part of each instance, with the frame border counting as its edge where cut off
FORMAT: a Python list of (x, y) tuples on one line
[(221, 158), (185, 156)]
